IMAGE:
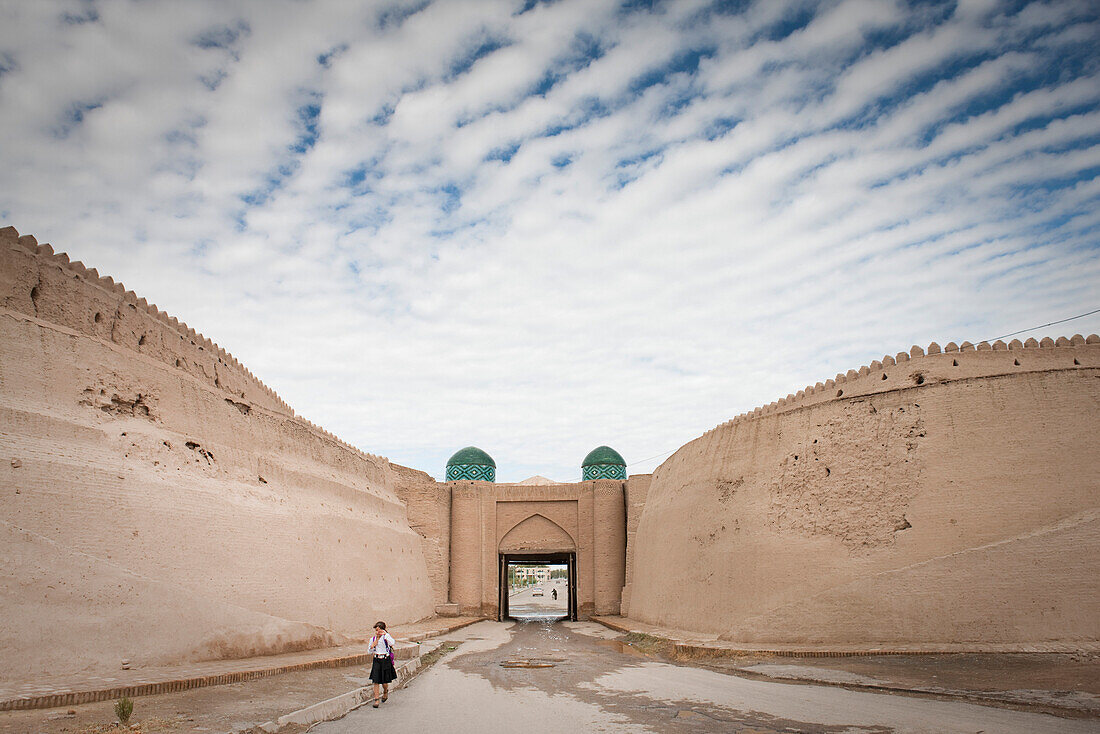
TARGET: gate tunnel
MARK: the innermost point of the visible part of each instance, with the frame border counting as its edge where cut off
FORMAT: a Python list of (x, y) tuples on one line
[(507, 560), (581, 525)]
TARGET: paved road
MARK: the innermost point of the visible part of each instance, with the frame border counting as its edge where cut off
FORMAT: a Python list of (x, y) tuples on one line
[(594, 686), (525, 605)]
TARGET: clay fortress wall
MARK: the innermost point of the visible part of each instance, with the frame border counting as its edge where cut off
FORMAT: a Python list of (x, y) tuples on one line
[(158, 503), (941, 497)]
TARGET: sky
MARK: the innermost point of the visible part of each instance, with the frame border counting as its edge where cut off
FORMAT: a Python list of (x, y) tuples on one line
[(539, 227)]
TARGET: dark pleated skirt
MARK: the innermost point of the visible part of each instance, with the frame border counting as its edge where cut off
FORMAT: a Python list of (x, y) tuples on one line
[(382, 671)]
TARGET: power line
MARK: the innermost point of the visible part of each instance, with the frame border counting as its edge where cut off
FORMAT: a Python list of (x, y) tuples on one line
[(642, 461), (1021, 331), (1043, 326), (639, 461)]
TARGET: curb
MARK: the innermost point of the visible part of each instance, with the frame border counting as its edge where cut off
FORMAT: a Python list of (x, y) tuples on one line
[(982, 698), (421, 636), (709, 650), (75, 698), (341, 705), (702, 652)]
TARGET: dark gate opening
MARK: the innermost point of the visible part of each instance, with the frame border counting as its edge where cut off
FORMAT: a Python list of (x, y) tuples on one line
[(536, 600)]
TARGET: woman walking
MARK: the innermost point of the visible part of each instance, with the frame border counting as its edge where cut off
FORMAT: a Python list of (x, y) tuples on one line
[(382, 670)]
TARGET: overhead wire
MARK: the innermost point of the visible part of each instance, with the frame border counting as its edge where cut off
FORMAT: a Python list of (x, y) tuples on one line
[(1043, 326), (1005, 336)]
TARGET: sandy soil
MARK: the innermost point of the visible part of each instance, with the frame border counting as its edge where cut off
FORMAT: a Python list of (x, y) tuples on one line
[(235, 707)]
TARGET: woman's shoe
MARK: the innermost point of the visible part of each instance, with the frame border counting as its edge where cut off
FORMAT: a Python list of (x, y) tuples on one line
[(385, 698)]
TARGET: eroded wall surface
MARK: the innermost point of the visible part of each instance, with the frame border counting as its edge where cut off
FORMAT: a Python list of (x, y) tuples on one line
[(636, 490), (948, 497), (428, 505), (159, 504)]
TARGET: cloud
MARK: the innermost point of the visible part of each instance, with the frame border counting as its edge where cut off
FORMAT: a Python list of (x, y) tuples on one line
[(541, 229)]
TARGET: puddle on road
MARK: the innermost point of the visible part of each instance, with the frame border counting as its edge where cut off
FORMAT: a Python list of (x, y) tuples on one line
[(522, 664), (620, 646)]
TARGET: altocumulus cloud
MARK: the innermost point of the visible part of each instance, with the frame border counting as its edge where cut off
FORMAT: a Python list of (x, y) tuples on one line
[(542, 226)]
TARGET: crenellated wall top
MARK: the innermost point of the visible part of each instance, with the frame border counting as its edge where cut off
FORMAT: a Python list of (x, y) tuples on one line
[(195, 353), (920, 367)]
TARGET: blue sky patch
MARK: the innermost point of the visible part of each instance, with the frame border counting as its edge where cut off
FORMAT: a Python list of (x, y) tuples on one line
[(74, 116), (503, 153), (685, 62), (308, 116), (392, 17), (331, 55), (223, 37)]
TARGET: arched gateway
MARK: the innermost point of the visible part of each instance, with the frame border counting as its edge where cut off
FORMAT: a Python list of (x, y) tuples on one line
[(537, 539), (474, 528), (582, 525)]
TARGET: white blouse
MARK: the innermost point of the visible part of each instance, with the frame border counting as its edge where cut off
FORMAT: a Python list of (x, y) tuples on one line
[(383, 644)]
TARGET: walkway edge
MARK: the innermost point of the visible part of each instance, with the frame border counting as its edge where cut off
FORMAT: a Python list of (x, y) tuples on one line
[(75, 698), (722, 649), (701, 652), (338, 706)]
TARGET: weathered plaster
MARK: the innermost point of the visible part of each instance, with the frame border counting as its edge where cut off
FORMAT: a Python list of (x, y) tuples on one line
[(947, 497), (159, 504)]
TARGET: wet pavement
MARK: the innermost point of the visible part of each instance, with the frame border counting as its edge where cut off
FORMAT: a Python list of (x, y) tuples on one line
[(538, 604), (544, 677)]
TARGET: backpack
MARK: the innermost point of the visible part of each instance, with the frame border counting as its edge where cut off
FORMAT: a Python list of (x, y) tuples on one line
[(383, 639)]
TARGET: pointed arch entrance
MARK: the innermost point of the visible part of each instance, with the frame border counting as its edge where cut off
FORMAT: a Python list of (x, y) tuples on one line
[(569, 560), (536, 540), (582, 525)]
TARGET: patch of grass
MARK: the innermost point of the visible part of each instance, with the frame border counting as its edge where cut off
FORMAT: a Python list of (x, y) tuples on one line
[(123, 709), (649, 644), (436, 654)]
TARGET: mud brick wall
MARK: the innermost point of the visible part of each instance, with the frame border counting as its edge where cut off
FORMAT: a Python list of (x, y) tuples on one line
[(947, 495), (637, 489), (428, 505), (159, 504)]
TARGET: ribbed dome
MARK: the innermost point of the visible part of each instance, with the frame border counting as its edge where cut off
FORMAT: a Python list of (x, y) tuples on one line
[(471, 455), (603, 455)]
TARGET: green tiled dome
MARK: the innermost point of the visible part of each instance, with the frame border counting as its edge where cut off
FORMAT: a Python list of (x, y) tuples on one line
[(603, 462), (471, 463), (603, 455)]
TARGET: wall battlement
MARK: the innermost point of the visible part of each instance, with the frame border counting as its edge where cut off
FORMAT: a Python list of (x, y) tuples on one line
[(187, 511), (936, 365), (937, 495), (110, 312), (941, 495)]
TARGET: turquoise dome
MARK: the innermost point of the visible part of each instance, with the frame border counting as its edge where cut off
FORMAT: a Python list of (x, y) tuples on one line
[(603, 462), (471, 463)]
